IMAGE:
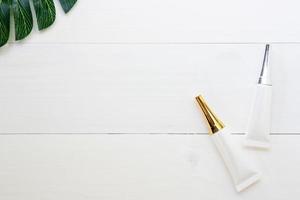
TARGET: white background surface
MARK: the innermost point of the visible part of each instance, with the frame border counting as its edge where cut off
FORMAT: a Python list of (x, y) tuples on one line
[(128, 71)]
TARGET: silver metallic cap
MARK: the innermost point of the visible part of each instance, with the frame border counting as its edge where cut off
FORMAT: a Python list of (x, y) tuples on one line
[(265, 74)]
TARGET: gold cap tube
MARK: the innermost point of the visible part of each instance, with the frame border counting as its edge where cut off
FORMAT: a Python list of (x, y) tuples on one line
[(214, 123)]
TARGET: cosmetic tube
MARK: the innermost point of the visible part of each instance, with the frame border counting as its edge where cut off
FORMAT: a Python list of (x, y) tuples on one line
[(234, 156), (258, 131)]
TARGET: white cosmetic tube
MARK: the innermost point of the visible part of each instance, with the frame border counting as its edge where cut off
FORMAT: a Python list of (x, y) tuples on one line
[(259, 124), (239, 165)]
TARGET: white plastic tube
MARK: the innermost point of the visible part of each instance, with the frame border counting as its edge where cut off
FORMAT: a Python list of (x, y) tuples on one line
[(241, 170), (238, 163), (258, 132)]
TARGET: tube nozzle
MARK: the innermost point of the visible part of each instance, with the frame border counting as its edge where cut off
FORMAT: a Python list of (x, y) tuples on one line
[(214, 123), (265, 74)]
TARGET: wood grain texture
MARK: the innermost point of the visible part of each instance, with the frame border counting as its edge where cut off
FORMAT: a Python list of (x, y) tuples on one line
[(135, 66), (141, 88), (134, 167), (214, 21)]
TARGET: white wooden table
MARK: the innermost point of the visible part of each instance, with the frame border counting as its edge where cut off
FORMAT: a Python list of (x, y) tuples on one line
[(101, 105)]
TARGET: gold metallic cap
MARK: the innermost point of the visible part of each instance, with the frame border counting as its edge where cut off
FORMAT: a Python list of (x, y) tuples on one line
[(214, 123)]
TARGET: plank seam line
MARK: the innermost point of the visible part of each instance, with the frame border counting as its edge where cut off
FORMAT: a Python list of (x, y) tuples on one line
[(158, 43), (162, 133)]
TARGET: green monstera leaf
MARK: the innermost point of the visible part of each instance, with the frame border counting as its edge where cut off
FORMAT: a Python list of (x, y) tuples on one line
[(45, 13), (21, 11), (23, 18), (67, 4), (4, 22)]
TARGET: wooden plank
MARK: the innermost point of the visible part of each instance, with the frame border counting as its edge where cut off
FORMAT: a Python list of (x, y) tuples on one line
[(135, 167), (140, 88), (214, 21)]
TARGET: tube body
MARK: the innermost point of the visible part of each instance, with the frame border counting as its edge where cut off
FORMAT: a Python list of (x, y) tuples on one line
[(258, 131), (237, 163)]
